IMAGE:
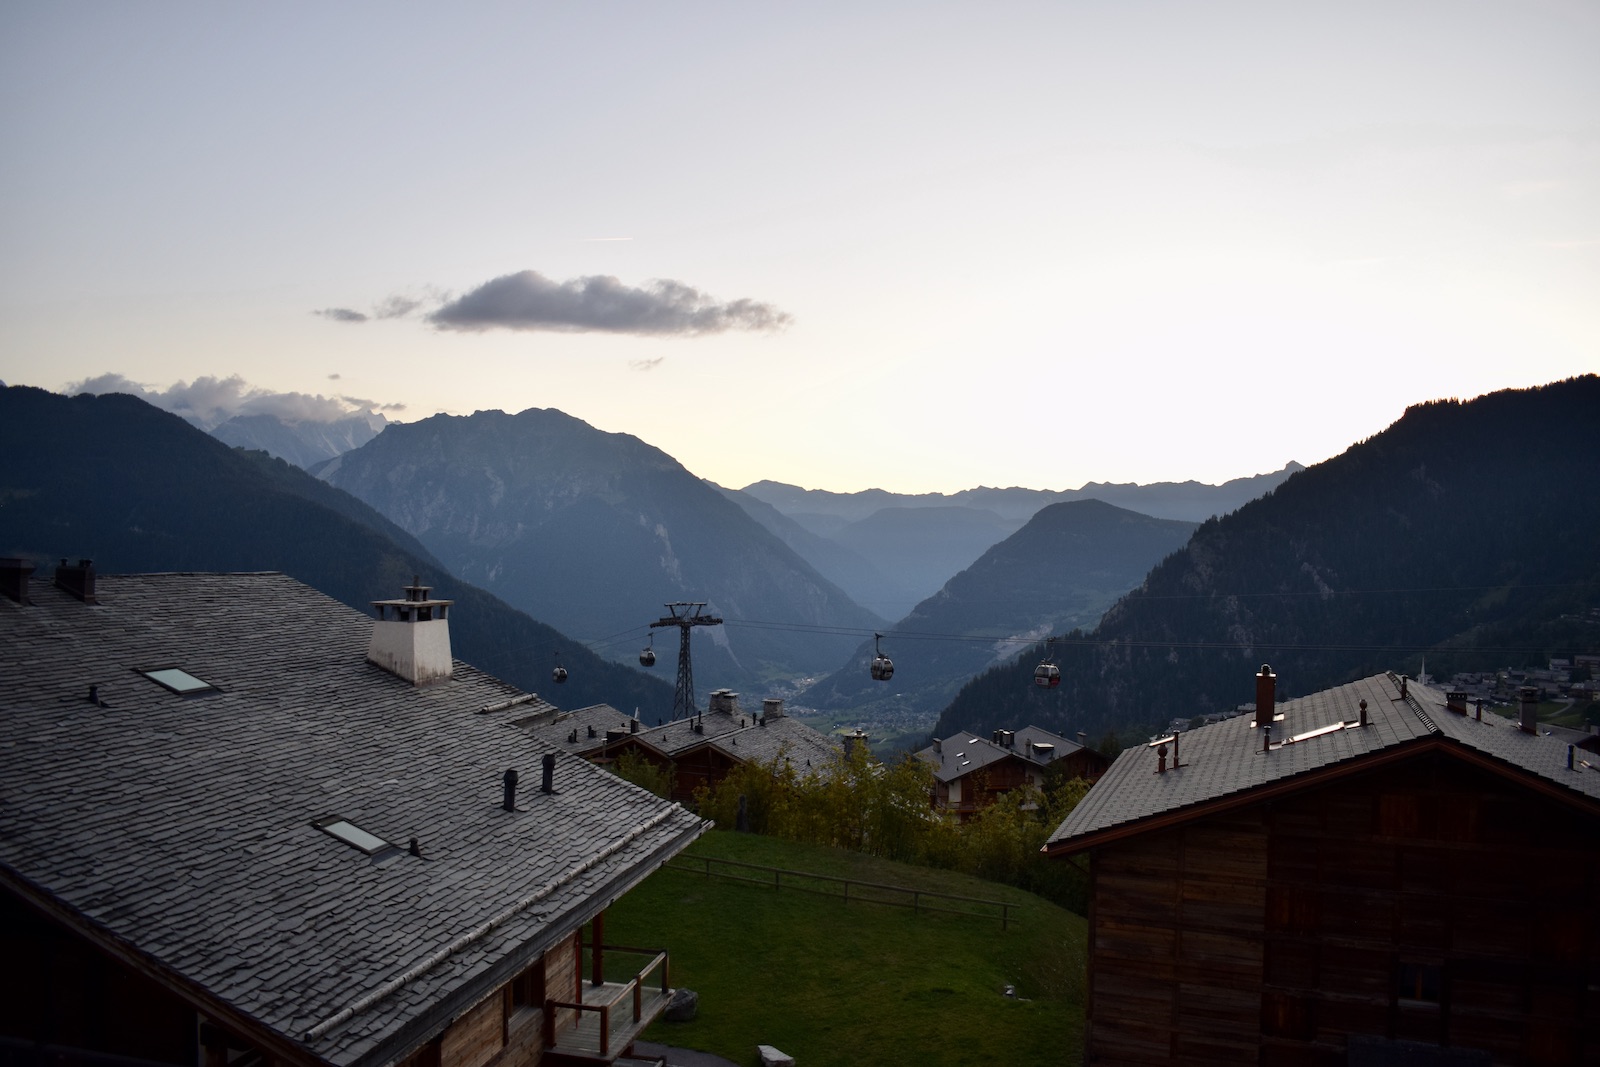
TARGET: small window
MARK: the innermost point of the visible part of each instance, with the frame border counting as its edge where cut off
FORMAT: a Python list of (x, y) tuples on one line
[(527, 988), (1419, 982), (351, 834), (178, 681)]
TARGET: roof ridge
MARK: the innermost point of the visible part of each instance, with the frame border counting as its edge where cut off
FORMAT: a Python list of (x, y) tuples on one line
[(1406, 695)]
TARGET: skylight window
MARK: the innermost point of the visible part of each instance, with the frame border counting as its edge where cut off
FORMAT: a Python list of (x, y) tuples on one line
[(351, 834), (176, 680)]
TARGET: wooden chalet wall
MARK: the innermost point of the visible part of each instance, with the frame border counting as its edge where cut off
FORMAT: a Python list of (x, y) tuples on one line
[(1084, 763), (1430, 901), (701, 767), (72, 996), (506, 1028), (58, 989), (1176, 920)]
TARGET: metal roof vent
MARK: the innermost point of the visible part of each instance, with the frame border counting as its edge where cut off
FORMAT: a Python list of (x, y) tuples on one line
[(77, 579), (14, 575)]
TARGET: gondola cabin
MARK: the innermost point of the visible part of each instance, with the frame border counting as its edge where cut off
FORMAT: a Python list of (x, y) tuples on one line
[(882, 666)]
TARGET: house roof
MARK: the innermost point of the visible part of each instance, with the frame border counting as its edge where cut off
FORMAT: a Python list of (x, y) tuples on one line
[(740, 737), (963, 753), (177, 831), (1313, 737)]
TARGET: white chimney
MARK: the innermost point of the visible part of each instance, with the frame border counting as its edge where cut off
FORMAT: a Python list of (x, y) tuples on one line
[(412, 637)]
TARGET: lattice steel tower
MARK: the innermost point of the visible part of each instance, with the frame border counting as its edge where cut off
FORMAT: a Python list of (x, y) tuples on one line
[(685, 616)]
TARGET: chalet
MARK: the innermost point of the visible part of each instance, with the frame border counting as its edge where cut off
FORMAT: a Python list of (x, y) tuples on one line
[(970, 773), (700, 750), (242, 824), (1373, 874)]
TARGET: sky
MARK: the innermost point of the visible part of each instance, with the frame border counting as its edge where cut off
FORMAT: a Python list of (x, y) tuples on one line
[(915, 246)]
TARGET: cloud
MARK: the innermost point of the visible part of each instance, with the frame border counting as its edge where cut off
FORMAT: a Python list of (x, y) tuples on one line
[(395, 307), (341, 315), (645, 364), (207, 402), (528, 300)]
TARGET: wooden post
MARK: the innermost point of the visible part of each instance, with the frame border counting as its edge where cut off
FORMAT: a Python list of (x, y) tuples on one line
[(597, 931)]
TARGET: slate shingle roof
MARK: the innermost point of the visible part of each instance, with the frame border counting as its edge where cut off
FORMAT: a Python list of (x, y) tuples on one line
[(182, 826), (1225, 760), (738, 735), (963, 753)]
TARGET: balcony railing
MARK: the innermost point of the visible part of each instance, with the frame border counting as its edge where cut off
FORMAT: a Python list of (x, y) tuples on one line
[(611, 1015)]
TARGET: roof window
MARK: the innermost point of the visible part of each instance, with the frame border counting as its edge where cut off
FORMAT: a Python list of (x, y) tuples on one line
[(176, 680), (351, 834)]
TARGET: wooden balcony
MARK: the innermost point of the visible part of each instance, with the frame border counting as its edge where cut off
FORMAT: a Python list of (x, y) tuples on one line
[(610, 1017)]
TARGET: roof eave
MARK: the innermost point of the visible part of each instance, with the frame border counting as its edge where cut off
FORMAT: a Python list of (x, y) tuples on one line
[(279, 1045), (425, 1026), (1319, 776)]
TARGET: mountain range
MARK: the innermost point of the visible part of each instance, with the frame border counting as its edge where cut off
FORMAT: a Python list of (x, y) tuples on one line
[(1061, 571), (595, 532), (137, 489), (893, 550), (304, 443), (1467, 533)]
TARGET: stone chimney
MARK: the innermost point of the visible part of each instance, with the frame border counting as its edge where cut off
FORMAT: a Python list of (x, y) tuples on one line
[(1456, 701), (1266, 695), (14, 575), (1528, 698), (77, 579), (412, 636), (724, 701), (772, 708)]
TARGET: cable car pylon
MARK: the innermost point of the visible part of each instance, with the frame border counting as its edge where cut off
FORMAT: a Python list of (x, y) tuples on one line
[(685, 616)]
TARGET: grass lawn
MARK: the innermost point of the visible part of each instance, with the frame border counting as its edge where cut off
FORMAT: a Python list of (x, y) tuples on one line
[(830, 983)]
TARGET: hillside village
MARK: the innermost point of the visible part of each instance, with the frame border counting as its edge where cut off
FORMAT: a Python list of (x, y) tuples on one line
[(297, 825)]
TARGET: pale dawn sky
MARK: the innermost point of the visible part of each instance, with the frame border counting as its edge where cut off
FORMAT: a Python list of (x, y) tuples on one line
[(916, 246)]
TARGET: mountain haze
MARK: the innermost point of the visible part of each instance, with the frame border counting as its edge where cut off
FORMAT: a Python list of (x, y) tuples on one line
[(137, 489), (914, 542), (1191, 501), (596, 531), (304, 443), (1468, 532), (1061, 571)]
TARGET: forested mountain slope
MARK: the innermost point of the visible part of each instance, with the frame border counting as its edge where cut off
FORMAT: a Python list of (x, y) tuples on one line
[(136, 489), (1061, 571), (1468, 532)]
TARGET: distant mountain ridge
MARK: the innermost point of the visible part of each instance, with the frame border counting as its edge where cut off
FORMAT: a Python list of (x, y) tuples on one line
[(1191, 501), (1060, 571), (1467, 532), (304, 443), (912, 543), (138, 489), (596, 531)]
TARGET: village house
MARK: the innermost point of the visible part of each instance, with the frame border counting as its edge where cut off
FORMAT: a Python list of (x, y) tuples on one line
[(1374, 874), (699, 750), (970, 773), (242, 824)]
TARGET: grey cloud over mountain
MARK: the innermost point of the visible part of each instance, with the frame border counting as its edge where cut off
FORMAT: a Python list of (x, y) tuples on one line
[(528, 300), (208, 401)]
